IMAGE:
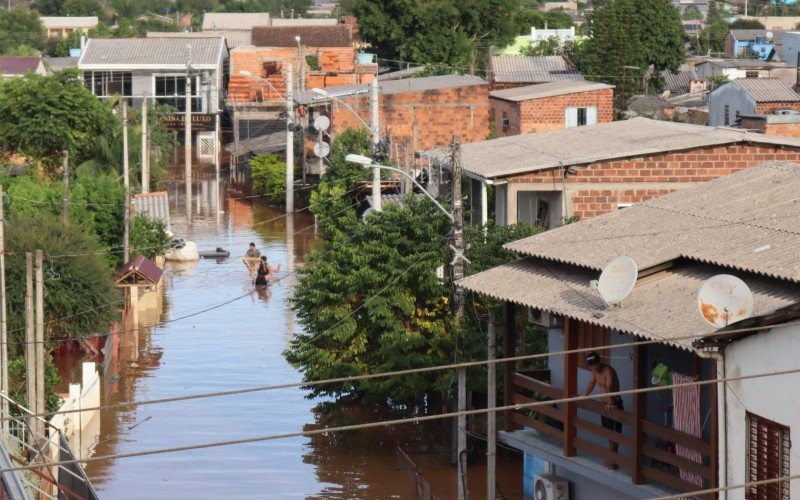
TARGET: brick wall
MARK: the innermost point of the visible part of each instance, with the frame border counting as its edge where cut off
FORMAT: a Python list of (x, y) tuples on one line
[(768, 108), (547, 113), (423, 120), (678, 168)]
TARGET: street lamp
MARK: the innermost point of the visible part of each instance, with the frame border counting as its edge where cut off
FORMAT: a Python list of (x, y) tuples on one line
[(367, 162)]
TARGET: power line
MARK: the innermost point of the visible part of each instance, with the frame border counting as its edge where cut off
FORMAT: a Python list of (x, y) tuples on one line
[(401, 421), (749, 484)]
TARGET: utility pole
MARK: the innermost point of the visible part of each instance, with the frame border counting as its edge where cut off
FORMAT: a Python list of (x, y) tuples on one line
[(187, 118), (145, 149), (289, 141), (39, 408), (376, 137), (491, 417), (3, 319), (126, 241), (458, 273), (65, 210), (30, 344)]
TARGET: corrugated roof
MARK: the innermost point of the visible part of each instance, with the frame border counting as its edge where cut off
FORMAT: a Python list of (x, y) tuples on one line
[(430, 83), (233, 38), (531, 69), (741, 63), (279, 22), (750, 35), (139, 271), (766, 89), (340, 35), (127, 52), (54, 64), (234, 21), (58, 22), (748, 221), (403, 73), (605, 141), (18, 65), (645, 105), (680, 82), (549, 89), (664, 309)]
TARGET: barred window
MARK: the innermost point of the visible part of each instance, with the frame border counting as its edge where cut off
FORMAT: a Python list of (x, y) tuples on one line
[(768, 446)]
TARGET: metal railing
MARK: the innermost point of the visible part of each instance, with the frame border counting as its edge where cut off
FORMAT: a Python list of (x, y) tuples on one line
[(409, 469)]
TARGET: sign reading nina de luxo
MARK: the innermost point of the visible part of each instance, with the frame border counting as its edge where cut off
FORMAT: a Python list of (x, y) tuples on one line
[(199, 121)]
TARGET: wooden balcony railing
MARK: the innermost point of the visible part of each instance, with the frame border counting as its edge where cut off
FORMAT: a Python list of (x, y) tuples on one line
[(653, 454)]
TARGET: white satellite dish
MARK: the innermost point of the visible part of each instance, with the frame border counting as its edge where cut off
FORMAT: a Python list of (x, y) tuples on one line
[(724, 299), (617, 280), (321, 123), (322, 149), (770, 35)]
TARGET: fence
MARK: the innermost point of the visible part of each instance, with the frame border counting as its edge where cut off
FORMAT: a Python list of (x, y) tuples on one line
[(81, 429), (410, 470)]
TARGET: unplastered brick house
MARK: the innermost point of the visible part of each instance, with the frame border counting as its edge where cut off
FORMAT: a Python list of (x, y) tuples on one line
[(587, 171), (415, 113), (328, 58), (549, 106), (748, 97)]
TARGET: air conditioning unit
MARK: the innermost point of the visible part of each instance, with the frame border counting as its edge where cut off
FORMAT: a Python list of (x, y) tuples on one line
[(538, 317), (549, 487)]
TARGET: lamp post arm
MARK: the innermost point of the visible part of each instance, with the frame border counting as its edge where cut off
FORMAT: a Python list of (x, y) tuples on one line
[(414, 181), (350, 108)]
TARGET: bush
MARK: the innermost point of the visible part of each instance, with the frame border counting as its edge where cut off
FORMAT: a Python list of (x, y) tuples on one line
[(268, 173), (148, 237)]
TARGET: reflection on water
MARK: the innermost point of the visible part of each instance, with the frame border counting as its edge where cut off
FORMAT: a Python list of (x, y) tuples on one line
[(234, 346)]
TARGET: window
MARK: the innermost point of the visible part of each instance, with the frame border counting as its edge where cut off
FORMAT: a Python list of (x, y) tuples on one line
[(591, 337), (171, 90), (751, 74), (727, 117), (768, 446), (271, 68), (577, 117), (506, 122), (543, 214), (108, 83)]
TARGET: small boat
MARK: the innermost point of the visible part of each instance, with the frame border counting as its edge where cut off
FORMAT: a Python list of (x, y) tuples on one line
[(219, 253), (182, 251)]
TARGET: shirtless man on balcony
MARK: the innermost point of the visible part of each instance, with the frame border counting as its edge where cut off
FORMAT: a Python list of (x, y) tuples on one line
[(605, 376)]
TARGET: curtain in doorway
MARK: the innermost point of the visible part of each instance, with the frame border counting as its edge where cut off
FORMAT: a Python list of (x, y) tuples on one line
[(686, 418)]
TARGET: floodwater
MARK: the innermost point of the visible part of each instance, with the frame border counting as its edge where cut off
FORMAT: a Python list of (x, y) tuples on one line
[(239, 345)]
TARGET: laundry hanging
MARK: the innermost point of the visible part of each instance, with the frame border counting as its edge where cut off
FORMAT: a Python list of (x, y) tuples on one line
[(686, 418)]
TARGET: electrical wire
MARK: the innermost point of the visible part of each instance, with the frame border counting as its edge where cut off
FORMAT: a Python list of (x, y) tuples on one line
[(400, 421)]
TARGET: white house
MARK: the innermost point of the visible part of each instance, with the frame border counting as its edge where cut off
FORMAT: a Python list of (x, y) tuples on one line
[(673, 439)]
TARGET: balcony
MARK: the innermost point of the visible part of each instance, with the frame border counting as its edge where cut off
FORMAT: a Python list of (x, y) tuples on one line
[(653, 459)]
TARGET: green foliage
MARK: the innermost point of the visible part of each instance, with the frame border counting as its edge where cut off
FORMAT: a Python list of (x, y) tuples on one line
[(48, 7), (526, 19), (691, 12), (44, 115), (350, 141), (711, 40), (550, 47), (268, 173), (23, 50), (486, 244), (149, 237), (17, 375), (628, 34), (77, 8), (747, 24), (78, 288), (313, 63), (402, 327), (73, 41), (20, 26), (443, 32)]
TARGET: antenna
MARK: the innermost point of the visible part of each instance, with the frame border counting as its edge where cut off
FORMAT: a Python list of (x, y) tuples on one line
[(724, 299), (616, 281)]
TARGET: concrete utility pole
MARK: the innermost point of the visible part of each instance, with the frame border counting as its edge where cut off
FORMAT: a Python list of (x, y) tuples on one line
[(302, 85), (126, 241), (187, 118), (65, 210), (458, 273), (39, 408), (145, 149), (376, 138), (30, 344), (491, 417), (289, 141), (3, 317)]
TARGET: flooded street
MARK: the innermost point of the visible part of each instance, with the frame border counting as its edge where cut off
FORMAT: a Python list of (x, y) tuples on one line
[(239, 345)]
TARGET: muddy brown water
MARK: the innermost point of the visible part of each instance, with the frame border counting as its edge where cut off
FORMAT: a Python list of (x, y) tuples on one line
[(240, 345)]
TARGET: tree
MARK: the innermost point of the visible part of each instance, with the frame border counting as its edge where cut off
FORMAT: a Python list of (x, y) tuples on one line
[(44, 115), (442, 32), (73, 41), (149, 237), (549, 47), (48, 7), (747, 24), (691, 12), (526, 19), (268, 173), (83, 8), (626, 37), (711, 40), (19, 26)]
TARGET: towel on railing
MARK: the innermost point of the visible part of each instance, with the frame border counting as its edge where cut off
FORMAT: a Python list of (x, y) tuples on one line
[(686, 418)]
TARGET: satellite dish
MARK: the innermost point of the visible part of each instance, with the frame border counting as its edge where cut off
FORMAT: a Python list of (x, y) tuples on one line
[(322, 149), (322, 122), (724, 299), (617, 280), (770, 35)]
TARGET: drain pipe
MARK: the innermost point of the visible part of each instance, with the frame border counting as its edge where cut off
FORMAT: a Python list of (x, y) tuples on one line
[(718, 356)]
